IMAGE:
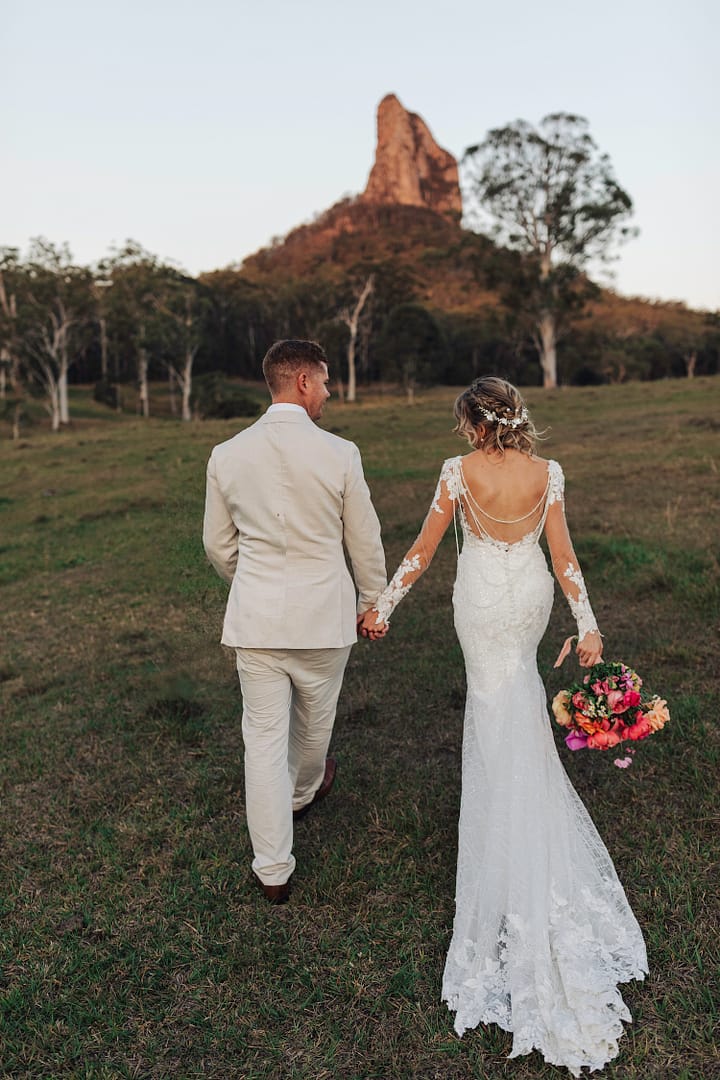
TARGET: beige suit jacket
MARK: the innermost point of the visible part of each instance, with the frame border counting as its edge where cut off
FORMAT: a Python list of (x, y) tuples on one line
[(283, 497)]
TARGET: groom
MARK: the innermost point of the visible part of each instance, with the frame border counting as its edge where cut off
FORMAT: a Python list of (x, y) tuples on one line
[(283, 497)]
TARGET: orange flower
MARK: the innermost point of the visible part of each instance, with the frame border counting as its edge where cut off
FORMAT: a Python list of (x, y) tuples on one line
[(587, 723), (560, 708), (657, 716)]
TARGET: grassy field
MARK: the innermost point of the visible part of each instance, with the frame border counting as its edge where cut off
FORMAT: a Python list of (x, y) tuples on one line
[(134, 944)]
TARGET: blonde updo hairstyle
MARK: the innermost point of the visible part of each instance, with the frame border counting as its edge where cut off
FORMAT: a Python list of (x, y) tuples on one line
[(491, 413)]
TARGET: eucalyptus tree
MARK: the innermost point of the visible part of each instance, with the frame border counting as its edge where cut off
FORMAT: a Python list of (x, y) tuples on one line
[(184, 305), (350, 315), (9, 347), (54, 305), (550, 195), (135, 277)]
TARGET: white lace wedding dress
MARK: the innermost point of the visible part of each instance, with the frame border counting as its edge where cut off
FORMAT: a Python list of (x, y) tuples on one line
[(543, 932)]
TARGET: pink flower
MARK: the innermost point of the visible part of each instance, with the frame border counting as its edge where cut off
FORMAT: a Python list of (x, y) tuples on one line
[(600, 687), (576, 741), (579, 700), (616, 701), (632, 699), (622, 763)]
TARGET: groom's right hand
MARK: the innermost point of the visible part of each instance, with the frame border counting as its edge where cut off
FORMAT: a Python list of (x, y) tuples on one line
[(370, 625)]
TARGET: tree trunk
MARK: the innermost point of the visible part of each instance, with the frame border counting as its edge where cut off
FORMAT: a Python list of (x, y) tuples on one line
[(409, 380), (17, 413), (54, 404), (62, 391), (172, 380), (8, 306), (352, 378), (690, 363), (143, 395), (548, 349), (103, 349), (187, 384), (365, 350), (352, 319)]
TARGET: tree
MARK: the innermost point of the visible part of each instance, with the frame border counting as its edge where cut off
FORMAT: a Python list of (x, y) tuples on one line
[(350, 315), (686, 336), (553, 198), (240, 327), (53, 311), (136, 277), (413, 347), (9, 358), (183, 304)]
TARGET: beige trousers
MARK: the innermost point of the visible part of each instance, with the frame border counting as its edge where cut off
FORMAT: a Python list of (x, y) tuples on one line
[(289, 702)]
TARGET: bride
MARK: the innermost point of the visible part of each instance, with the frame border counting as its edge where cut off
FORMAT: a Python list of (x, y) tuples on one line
[(543, 932)]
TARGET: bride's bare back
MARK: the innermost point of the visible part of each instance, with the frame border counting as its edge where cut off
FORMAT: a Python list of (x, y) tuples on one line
[(504, 493)]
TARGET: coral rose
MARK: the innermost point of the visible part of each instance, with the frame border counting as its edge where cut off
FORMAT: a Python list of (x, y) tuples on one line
[(603, 740), (560, 708), (639, 730)]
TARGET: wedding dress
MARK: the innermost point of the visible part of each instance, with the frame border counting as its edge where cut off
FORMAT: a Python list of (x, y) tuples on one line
[(543, 932)]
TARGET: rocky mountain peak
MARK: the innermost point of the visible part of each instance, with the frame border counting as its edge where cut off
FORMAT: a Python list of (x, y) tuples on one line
[(410, 168)]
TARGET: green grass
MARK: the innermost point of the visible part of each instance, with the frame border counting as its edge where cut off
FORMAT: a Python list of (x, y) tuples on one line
[(134, 944)]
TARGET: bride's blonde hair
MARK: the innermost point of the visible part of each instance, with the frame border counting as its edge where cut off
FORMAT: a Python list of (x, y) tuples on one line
[(495, 406)]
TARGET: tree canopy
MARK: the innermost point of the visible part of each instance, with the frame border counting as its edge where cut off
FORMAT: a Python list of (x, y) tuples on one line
[(550, 195)]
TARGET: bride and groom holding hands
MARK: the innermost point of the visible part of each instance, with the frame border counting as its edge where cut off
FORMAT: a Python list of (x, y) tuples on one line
[(543, 932)]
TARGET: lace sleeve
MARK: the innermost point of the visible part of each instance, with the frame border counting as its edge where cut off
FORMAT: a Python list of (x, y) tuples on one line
[(564, 560), (577, 597), (419, 557)]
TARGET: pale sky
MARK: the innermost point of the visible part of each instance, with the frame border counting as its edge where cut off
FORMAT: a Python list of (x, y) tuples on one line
[(202, 130)]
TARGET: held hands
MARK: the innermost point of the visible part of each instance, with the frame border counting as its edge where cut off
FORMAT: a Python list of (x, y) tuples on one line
[(370, 625)]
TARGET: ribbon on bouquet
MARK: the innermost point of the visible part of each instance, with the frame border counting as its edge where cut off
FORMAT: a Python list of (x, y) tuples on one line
[(565, 651)]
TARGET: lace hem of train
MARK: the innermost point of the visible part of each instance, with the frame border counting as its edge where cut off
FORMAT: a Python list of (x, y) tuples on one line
[(559, 996)]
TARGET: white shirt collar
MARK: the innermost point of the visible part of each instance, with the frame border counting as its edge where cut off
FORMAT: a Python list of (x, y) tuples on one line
[(286, 406)]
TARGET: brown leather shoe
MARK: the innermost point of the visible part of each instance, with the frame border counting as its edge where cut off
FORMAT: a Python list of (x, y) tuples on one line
[(276, 894), (324, 789)]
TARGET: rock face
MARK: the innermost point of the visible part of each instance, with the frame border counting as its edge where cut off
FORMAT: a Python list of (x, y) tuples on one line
[(410, 168)]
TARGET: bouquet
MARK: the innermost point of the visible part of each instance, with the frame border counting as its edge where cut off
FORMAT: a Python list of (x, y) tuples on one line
[(608, 708)]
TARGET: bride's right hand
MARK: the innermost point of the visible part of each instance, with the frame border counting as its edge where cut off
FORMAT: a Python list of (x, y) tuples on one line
[(371, 625), (589, 650)]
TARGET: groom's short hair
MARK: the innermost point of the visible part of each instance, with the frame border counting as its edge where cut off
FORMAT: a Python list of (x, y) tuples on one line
[(285, 359)]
